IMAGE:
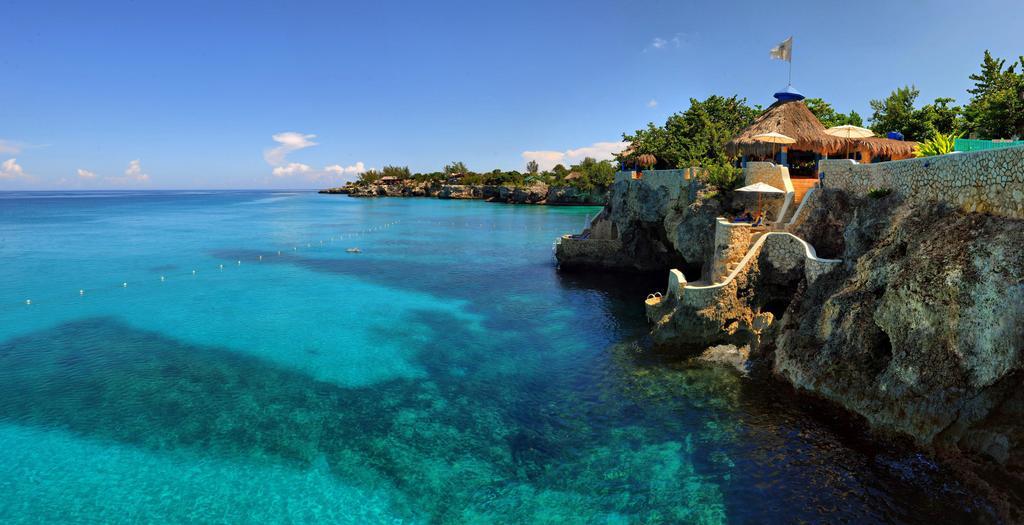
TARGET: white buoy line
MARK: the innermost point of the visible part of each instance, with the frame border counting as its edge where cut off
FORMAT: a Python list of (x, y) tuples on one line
[(238, 262)]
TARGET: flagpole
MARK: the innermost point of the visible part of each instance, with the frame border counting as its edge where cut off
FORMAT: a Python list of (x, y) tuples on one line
[(791, 63)]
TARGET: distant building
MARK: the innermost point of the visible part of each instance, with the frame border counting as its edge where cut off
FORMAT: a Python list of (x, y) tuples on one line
[(455, 178), (389, 180)]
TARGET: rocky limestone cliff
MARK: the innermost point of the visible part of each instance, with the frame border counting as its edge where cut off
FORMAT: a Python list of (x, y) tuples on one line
[(920, 331), (646, 228), (923, 332)]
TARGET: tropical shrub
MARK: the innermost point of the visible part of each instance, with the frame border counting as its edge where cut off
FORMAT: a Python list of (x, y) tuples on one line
[(879, 193), (939, 144), (722, 177)]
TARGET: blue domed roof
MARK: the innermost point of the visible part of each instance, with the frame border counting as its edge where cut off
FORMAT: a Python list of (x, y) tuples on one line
[(789, 95)]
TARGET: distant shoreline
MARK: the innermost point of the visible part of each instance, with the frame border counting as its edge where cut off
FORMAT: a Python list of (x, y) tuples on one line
[(536, 194)]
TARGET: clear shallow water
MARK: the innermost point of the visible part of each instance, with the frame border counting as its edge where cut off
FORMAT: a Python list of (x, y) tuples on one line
[(447, 374)]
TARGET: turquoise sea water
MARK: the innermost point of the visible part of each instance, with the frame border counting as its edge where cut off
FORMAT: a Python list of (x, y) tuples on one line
[(446, 374)]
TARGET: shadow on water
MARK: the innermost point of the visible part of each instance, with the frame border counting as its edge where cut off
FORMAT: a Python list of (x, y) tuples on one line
[(447, 444), (618, 294)]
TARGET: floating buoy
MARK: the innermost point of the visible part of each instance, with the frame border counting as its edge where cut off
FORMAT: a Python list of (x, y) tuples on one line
[(221, 267), (28, 301), (261, 257), (193, 272), (279, 252), (124, 284), (162, 278), (239, 263), (81, 292)]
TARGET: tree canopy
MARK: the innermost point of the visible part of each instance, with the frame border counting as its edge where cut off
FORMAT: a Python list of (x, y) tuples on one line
[(695, 136), (996, 108), (829, 116)]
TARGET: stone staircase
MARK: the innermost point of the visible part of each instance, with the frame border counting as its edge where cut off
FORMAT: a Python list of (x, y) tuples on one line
[(800, 188)]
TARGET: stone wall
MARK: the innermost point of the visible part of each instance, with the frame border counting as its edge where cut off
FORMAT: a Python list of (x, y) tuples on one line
[(783, 249), (675, 181), (983, 181), (731, 243), (775, 206)]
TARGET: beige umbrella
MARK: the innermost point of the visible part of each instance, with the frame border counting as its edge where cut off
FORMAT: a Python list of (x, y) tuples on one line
[(774, 138), (760, 188), (849, 131)]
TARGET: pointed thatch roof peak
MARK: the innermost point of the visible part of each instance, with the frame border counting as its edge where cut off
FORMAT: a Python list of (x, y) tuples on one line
[(791, 118)]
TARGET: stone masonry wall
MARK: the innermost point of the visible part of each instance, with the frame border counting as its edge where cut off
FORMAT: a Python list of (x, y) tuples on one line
[(775, 205), (732, 240), (673, 180), (989, 181)]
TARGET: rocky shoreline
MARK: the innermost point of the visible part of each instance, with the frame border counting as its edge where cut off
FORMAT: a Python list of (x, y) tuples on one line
[(917, 327), (538, 193)]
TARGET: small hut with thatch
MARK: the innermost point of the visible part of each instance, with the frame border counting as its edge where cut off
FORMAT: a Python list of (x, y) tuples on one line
[(791, 117)]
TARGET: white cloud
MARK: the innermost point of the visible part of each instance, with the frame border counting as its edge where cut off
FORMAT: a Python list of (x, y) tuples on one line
[(134, 172), (10, 169), (333, 171), (652, 103), (293, 168), (289, 141), (337, 169), (547, 159), (85, 174), (676, 41), (10, 147)]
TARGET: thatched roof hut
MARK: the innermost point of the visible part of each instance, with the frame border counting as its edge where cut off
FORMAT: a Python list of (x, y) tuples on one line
[(575, 175), (793, 119), (879, 147)]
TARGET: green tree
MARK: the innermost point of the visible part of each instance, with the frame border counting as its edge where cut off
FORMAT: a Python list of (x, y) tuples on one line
[(829, 116), (455, 167), (532, 167), (896, 113), (369, 176), (398, 172), (996, 108), (695, 135), (941, 116), (560, 171)]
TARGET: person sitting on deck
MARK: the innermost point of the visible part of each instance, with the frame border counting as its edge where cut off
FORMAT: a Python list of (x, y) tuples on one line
[(759, 221), (744, 217)]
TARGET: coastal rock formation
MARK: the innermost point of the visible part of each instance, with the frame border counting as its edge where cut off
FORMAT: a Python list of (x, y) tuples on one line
[(922, 334), (919, 330), (646, 227), (538, 193)]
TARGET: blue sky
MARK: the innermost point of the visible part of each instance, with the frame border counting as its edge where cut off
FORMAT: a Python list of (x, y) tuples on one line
[(192, 95)]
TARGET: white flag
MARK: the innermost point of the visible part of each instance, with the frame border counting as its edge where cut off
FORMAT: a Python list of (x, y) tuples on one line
[(783, 51)]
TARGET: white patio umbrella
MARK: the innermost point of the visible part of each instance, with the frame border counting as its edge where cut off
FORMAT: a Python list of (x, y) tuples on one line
[(774, 138), (760, 188), (849, 131)]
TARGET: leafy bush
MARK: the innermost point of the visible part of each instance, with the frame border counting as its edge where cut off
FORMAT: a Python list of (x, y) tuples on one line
[(939, 144), (878, 193), (722, 177)]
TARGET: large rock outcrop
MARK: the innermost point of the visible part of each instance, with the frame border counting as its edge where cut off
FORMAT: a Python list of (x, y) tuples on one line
[(923, 334), (646, 228)]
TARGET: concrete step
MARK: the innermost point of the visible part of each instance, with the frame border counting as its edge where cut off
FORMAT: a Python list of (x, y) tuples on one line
[(801, 187)]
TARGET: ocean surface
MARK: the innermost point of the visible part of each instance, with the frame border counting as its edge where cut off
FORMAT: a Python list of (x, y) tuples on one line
[(218, 357)]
